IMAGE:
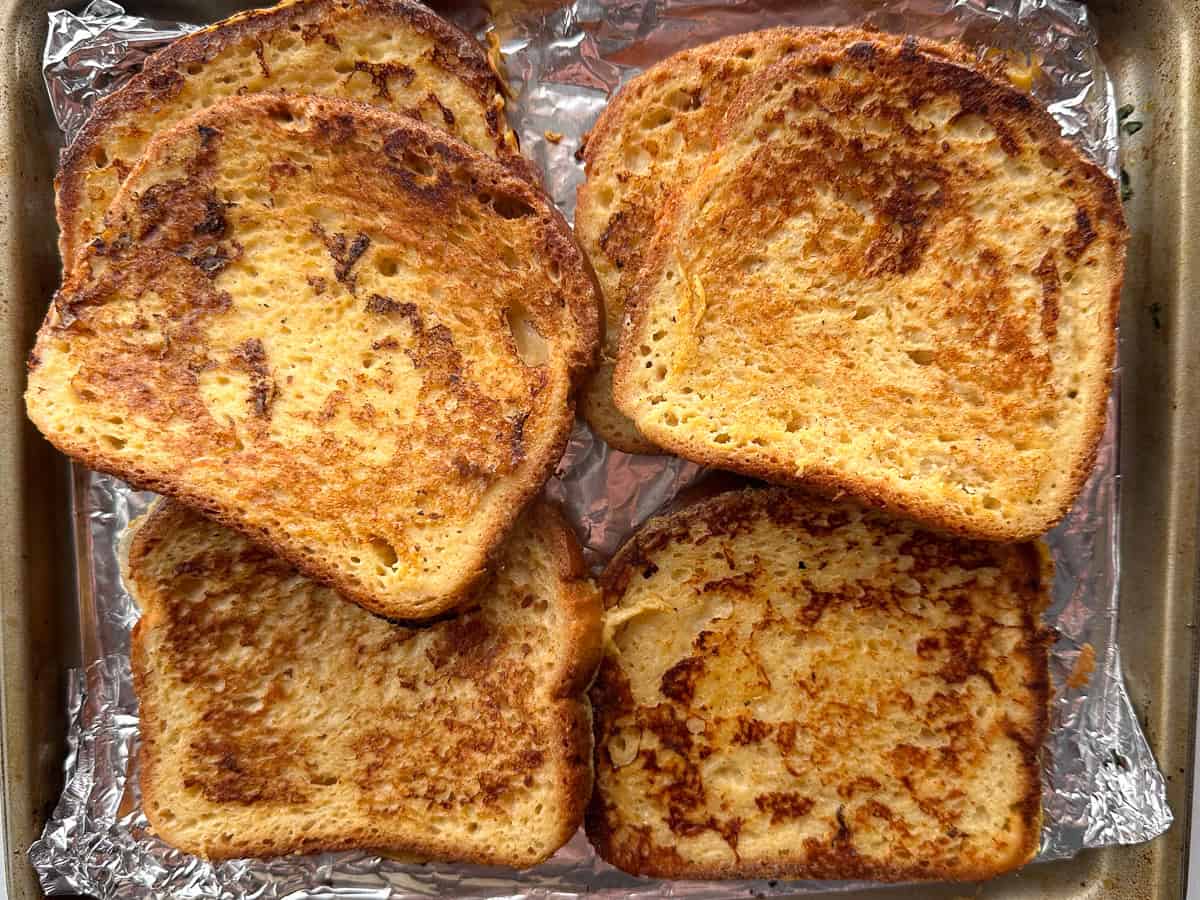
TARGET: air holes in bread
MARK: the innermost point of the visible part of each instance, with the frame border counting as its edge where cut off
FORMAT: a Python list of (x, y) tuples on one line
[(921, 357), (623, 747), (512, 208), (971, 127), (385, 554), (386, 265), (283, 115), (415, 164), (531, 346), (657, 118)]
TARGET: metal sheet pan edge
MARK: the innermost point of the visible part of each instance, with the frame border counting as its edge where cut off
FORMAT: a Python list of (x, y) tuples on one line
[(1153, 51)]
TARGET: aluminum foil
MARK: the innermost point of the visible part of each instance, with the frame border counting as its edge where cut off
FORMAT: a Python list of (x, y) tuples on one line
[(1101, 783)]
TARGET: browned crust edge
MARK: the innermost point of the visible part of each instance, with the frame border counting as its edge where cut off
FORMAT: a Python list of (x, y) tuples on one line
[(715, 512), (580, 290), (595, 401), (580, 648), (835, 483), (160, 79)]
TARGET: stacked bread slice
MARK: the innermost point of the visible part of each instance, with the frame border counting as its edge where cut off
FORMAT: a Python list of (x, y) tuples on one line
[(314, 295), (857, 263)]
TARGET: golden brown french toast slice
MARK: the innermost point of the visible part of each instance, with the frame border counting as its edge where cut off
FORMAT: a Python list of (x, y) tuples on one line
[(334, 328), (893, 277), (649, 143), (395, 54), (276, 718), (793, 688)]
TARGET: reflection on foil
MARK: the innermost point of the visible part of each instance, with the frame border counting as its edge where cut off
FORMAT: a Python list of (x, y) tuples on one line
[(1102, 785)]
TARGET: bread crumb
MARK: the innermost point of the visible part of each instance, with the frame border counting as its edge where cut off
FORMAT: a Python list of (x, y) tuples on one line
[(1085, 665), (553, 136)]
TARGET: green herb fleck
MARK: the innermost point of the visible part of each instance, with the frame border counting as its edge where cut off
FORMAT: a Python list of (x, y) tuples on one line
[(1132, 127), (1124, 112), (1126, 187), (1156, 315), (802, 565)]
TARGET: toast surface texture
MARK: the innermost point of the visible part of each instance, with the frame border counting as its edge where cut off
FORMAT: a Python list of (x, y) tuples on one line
[(277, 718), (798, 689), (391, 53), (334, 328), (892, 277), (647, 145)]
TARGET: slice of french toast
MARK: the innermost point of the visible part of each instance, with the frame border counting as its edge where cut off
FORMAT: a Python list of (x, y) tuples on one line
[(276, 718), (793, 688), (892, 278), (334, 328)]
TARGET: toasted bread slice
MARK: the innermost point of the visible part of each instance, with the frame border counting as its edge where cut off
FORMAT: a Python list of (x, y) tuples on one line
[(892, 278), (647, 145), (391, 53), (334, 328), (276, 718), (795, 688)]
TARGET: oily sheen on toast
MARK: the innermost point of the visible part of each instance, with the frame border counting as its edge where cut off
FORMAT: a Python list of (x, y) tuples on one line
[(332, 327), (276, 718), (892, 278), (793, 688), (649, 143), (390, 53)]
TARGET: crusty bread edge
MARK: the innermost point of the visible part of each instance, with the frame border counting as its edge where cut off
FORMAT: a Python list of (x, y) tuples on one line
[(572, 748), (580, 290), (159, 78), (659, 531), (596, 401), (834, 483)]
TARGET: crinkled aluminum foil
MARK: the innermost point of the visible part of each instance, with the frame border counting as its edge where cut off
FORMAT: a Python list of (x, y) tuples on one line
[(1101, 783)]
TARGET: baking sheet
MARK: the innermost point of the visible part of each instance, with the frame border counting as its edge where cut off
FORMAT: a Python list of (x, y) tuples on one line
[(1102, 786)]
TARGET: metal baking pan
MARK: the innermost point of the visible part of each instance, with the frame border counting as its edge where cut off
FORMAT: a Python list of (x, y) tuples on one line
[(1152, 50)]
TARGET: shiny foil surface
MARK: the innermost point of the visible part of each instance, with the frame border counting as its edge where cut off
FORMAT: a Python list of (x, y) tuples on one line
[(1101, 782)]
